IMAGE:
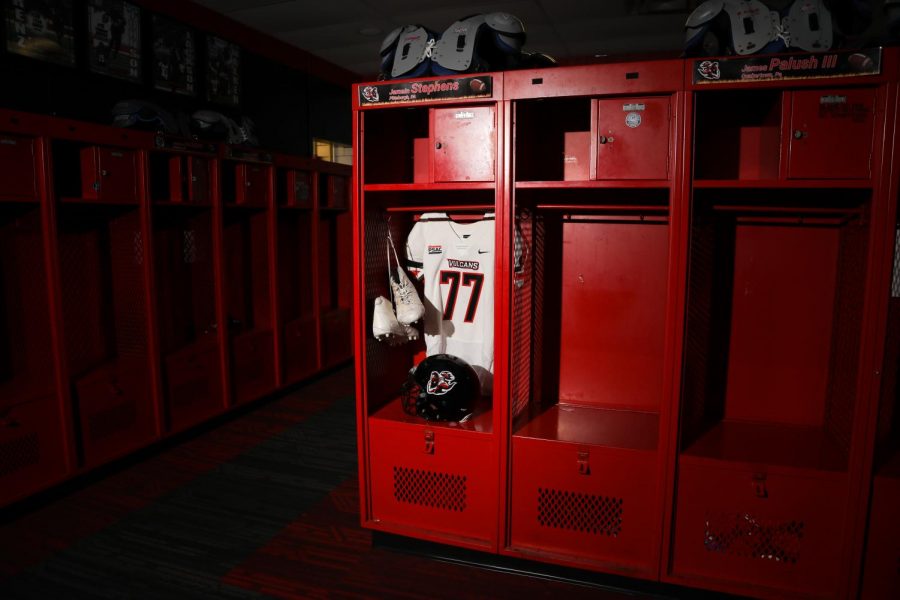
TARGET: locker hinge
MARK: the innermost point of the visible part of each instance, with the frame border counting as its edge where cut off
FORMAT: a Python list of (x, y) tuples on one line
[(429, 442)]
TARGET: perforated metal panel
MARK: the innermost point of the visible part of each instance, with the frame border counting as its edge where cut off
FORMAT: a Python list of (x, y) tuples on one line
[(431, 489), (19, 453), (127, 260), (744, 535), (522, 317), (587, 513)]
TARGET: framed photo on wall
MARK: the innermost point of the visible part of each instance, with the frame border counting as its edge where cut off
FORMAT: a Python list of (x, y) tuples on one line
[(114, 39), (174, 57), (223, 71), (41, 29)]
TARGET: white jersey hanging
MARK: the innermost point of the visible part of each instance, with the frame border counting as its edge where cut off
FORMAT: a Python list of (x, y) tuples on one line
[(456, 261)]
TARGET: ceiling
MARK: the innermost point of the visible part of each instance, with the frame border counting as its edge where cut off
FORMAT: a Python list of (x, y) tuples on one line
[(349, 33)]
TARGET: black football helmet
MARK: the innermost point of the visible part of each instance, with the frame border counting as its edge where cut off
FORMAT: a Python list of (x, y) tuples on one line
[(441, 388)]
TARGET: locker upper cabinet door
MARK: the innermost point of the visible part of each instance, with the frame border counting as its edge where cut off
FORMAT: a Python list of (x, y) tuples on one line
[(633, 138), (464, 143), (17, 177), (109, 174), (252, 184), (198, 177), (831, 134)]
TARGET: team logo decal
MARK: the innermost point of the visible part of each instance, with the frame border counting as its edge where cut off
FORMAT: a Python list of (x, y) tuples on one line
[(633, 119), (440, 383), (370, 93), (435, 249), (463, 264), (709, 69)]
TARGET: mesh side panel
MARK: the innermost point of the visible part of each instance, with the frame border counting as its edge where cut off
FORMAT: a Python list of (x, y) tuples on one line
[(386, 366), (198, 254), (698, 327), (847, 326), (431, 489), (84, 306), (743, 535), (20, 453), (895, 281), (126, 248), (585, 513), (24, 323), (112, 420), (522, 325)]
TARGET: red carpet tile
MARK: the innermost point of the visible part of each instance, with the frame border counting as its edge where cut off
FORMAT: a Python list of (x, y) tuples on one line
[(326, 554)]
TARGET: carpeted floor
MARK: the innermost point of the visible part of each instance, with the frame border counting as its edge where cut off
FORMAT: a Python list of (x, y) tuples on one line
[(264, 505)]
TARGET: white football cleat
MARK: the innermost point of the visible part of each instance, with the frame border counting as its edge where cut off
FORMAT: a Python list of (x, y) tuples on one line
[(412, 334), (409, 306), (384, 323)]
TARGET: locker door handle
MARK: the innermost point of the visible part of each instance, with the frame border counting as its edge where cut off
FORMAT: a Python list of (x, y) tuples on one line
[(438, 146), (759, 486), (584, 463), (429, 442), (799, 135), (602, 139)]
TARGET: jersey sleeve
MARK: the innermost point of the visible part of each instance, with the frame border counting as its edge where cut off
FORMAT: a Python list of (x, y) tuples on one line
[(415, 250)]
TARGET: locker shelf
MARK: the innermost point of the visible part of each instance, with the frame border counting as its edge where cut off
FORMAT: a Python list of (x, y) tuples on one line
[(628, 429), (777, 445)]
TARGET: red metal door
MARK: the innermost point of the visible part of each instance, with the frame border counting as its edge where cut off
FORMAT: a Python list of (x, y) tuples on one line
[(433, 479), (881, 578), (198, 180), (464, 143), (116, 412), (194, 383), (252, 184), (742, 527), (300, 347), (587, 503), (17, 168), (633, 138), (253, 371), (831, 134), (299, 189), (109, 175), (31, 448), (336, 336)]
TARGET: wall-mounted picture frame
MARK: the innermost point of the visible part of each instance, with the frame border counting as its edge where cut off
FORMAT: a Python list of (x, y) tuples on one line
[(41, 29), (223, 71), (174, 57), (114, 39)]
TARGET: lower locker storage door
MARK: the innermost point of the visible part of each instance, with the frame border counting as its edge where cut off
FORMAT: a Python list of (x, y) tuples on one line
[(446, 486), (31, 448), (585, 503)]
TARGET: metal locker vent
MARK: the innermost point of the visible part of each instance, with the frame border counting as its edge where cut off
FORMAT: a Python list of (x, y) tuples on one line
[(110, 421), (19, 453), (427, 488), (598, 515), (741, 534)]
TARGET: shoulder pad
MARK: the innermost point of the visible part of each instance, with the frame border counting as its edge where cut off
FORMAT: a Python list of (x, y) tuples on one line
[(705, 13), (809, 26), (504, 23), (389, 40), (456, 48)]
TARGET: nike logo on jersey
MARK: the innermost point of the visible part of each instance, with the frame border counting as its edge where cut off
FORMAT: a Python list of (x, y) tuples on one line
[(483, 251), (463, 264)]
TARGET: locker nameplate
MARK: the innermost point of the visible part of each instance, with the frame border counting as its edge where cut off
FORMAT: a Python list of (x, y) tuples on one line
[(426, 91), (847, 63)]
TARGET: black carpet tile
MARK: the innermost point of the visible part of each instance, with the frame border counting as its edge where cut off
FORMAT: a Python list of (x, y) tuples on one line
[(182, 545)]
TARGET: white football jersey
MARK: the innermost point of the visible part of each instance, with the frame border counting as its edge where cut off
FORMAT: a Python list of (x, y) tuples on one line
[(456, 262)]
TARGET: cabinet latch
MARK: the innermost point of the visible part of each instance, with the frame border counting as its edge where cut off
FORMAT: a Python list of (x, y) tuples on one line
[(584, 463), (429, 442), (759, 485)]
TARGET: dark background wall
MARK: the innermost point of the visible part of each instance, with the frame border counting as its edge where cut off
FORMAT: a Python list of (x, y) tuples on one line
[(288, 103)]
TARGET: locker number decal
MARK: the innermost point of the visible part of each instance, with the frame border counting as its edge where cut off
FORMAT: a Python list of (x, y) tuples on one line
[(454, 278)]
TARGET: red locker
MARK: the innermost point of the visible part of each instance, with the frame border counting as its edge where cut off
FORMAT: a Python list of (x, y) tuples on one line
[(881, 575), (464, 143), (338, 192), (17, 168), (109, 175), (299, 188), (300, 347), (831, 133), (633, 138), (193, 384), (253, 366)]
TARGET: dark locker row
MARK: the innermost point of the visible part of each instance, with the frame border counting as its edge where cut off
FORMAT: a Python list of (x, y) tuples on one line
[(149, 284)]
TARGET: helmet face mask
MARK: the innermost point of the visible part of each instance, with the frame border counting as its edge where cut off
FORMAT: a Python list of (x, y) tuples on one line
[(441, 388)]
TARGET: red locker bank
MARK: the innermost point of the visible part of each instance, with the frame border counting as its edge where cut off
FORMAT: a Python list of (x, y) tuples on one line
[(148, 284), (689, 363)]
